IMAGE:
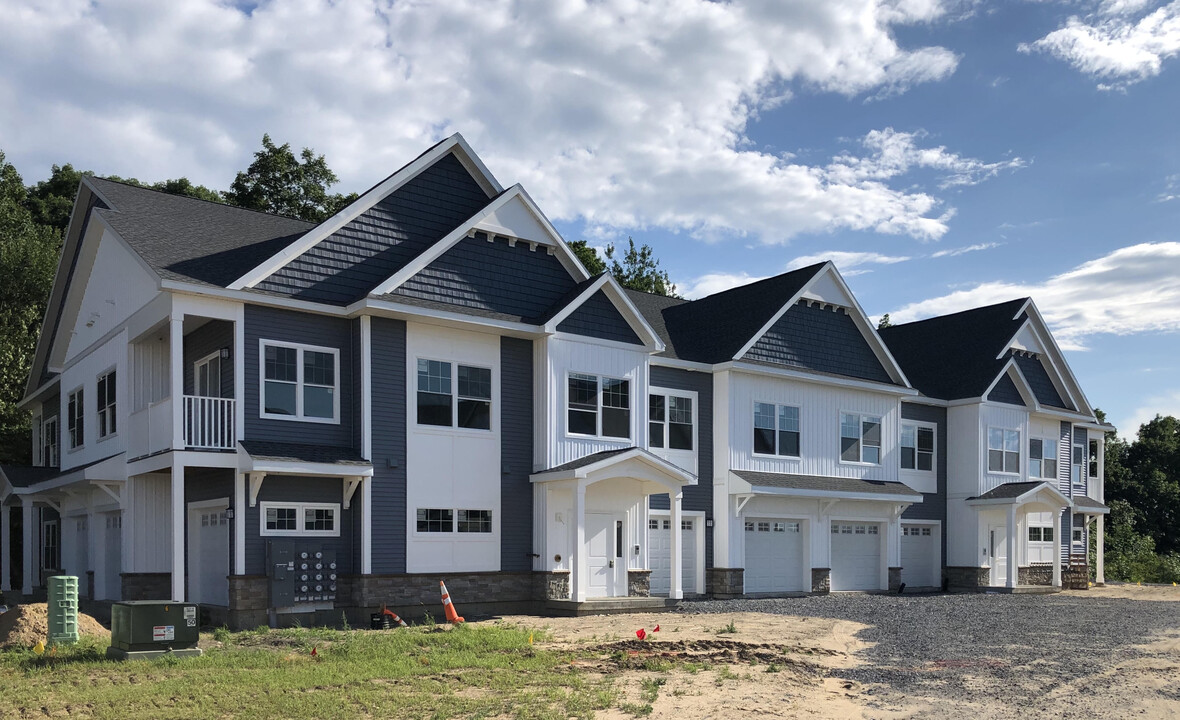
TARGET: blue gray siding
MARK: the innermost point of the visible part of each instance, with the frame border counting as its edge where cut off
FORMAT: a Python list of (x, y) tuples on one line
[(933, 505), (1005, 392), (389, 446), (516, 454), (204, 341), (598, 317), (264, 323), (820, 340), (1038, 379), (492, 277), (279, 488), (365, 252), (697, 497)]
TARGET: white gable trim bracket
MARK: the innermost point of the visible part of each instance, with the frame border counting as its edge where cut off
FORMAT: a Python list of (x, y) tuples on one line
[(614, 292), (454, 143), (114, 489), (350, 486), (256, 479)]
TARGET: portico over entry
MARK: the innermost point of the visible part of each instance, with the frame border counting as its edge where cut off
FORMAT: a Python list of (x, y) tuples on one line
[(1004, 513), (591, 519)]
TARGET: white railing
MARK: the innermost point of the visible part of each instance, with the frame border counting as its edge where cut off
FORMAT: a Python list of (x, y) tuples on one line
[(150, 429), (209, 423)]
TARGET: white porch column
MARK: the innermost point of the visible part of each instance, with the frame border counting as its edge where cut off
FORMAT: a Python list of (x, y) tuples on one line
[(722, 505), (367, 526), (579, 570), (1013, 561), (176, 381), (239, 523), (677, 570), (1057, 548), (1100, 552), (28, 529), (5, 544), (178, 531)]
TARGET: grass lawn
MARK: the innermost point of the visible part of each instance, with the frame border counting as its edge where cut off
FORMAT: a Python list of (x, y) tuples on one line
[(471, 671)]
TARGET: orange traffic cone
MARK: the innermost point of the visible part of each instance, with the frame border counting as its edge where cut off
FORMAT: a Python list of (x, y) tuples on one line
[(393, 615), (448, 606)]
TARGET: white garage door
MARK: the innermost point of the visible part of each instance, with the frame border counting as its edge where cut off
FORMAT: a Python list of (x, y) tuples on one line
[(112, 585), (659, 554), (918, 553), (856, 556), (208, 553), (774, 555)]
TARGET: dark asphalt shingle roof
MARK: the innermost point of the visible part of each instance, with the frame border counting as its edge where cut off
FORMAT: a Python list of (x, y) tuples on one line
[(299, 452), (955, 356), (819, 482), (23, 476), (1008, 491), (598, 457), (1085, 502)]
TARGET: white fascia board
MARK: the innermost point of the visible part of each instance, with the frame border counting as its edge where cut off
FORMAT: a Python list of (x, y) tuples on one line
[(681, 475), (475, 166), (277, 467), (362, 204), (751, 368), (1077, 395), (24, 402), (566, 256), (834, 494), (372, 306), (681, 364), (609, 285), (925, 400), (253, 298), (1089, 509)]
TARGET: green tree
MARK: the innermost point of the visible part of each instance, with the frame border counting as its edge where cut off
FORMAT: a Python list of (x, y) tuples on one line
[(51, 201), (640, 270), (1151, 481), (588, 256), (279, 182), (884, 322)]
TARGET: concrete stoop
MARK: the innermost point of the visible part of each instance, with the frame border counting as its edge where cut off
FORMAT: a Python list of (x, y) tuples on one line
[(609, 606)]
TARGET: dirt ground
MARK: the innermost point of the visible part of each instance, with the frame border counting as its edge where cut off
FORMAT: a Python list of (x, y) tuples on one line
[(23, 626)]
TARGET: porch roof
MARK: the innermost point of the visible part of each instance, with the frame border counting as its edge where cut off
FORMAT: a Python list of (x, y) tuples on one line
[(768, 483), (27, 479), (1019, 493), (595, 463), (301, 459), (1089, 506)]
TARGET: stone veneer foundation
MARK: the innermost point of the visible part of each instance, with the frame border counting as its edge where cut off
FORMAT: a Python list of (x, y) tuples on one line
[(639, 583), (894, 579), (821, 580), (968, 577), (1036, 574), (726, 583)]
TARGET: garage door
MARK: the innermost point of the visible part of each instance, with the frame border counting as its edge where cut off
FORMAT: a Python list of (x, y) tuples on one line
[(659, 554), (774, 555), (856, 556), (918, 553), (208, 553)]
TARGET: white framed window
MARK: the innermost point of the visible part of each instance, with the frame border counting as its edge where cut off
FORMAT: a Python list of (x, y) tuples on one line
[(299, 382), (307, 519), (1003, 451), (1077, 464), (776, 429), (914, 531), (860, 438), (917, 447), (671, 420), (104, 400), (50, 456), (207, 376), (763, 527), (598, 406), (441, 406), (1078, 535), (1042, 458), (50, 545), (450, 520), (1040, 533), (1092, 463), (76, 418), (474, 521), (38, 446)]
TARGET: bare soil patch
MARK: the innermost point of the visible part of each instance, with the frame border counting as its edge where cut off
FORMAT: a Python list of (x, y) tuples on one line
[(1151, 593), (25, 625)]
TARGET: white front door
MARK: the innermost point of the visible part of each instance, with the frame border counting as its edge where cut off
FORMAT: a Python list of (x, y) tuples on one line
[(774, 555), (998, 551), (208, 553), (659, 554), (604, 555), (856, 556), (207, 376)]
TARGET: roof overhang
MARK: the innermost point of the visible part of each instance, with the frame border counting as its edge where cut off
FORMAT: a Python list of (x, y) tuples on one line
[(247, 463), (635, 464), (110, 469), (803, 375), (1088, 506), (1041, 492), (740, 486)]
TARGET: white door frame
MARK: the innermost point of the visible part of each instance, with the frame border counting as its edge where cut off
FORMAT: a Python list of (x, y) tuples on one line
[(616, 553), (194, 558), (997, 535), (936, 531), (699, 517), (215, 355)]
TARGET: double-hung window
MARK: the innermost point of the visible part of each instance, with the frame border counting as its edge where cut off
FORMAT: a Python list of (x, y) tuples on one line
[(1003, 451), (440, 405), (1042, 458), (670, 422), (105, 400), (76, 418), (917, 447), (1093, 459), (860, 438), (599, 406), (776, 429), (49, 452), (300, 382), (1078, 464)]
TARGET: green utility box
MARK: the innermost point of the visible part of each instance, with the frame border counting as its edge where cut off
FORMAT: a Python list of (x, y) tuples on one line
[(63, 610), (147, 629)]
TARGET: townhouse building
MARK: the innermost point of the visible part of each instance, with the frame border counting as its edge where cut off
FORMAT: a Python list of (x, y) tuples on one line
[(282, 420)]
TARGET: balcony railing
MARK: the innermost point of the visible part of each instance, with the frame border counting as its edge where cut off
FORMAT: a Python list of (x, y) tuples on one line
[(151, 429), (209, 423)]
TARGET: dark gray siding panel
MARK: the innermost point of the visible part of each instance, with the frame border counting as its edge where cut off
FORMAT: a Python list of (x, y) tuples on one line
[(263, 323), (389, 446), (1005, 392), (51, 407), (821, 340), (516, 454), (492, 276), (365, 252), (1038, 379), (699, 497), (598, 317), (933, 505), (204, 341), (278, 488)]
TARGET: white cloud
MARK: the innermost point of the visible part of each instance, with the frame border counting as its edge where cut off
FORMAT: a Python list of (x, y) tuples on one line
[(846, 262), (1116, 44), (954, 252), (1166, 403), (715, 283), (1132, 290), (1171, 189), (625, 113)]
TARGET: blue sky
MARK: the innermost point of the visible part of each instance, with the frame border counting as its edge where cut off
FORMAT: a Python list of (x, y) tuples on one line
[(946, 153)]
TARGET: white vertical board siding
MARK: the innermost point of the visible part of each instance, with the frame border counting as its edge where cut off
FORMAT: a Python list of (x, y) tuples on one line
[(963, 474), (110, 355), (566, 356), (150, 518), (819, 424), (452, 467), (1008, 418)]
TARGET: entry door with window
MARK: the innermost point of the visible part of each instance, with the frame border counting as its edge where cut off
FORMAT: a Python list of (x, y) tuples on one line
[(207, 376), (998, 551), (604, 555)]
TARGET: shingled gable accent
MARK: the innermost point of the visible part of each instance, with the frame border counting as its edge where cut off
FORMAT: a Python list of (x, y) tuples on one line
[(600, 307), (454, 145), (1005, 391), (1034, 336)]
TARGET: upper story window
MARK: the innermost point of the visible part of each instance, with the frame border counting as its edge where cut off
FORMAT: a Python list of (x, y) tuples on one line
[(50, 456), (1042, 458), (776, 429), (1076, 466), (670, 421), (440, 405), (1003, 451), (75, 418), (917, 447), (105, 400), (1093, 459), (860, 438), (300, 382), (207, 376), (599, 406)]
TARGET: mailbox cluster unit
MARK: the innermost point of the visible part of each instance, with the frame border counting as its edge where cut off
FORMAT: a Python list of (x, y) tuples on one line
[(300, 573)]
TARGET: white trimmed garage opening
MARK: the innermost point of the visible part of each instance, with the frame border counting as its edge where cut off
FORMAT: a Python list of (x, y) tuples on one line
[(858, 555), (921, 553), (776, 555), (208, 552), (659, 551)]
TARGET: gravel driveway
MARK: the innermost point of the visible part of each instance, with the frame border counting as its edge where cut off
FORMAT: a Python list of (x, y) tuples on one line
[(1071, 655)]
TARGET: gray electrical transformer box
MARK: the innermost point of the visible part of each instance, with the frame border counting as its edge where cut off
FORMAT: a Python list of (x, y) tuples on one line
[(300, 572)]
